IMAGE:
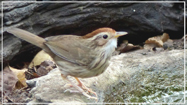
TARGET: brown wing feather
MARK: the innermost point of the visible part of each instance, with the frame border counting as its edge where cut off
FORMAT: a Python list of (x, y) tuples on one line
[(70, 49)]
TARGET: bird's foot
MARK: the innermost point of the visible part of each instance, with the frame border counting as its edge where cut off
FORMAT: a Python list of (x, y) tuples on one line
[(80, 89), (87, 89), (81, 85)]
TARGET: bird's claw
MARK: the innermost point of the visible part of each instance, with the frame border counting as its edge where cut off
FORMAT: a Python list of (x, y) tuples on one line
[(81, 89)]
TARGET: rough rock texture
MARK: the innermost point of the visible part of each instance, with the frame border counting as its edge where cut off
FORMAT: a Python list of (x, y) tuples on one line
[(141, 20), (139, 76), (11, 46)]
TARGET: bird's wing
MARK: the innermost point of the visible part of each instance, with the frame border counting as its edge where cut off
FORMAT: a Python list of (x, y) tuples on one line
[(70, 49)]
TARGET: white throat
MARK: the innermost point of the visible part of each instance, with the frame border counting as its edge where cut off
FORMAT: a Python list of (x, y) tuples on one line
[(110, 47)]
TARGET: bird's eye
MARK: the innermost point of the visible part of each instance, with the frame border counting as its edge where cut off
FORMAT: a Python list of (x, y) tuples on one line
[(105, 36)]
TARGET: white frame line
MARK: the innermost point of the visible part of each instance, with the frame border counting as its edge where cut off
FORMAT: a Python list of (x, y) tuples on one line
[(96, 2)]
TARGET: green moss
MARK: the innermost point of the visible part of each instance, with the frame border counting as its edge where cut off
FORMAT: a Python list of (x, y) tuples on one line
[(178, 100), (176, 88), (151, 87), (133, 99), (120, 99), (146, 93), (141, 100)]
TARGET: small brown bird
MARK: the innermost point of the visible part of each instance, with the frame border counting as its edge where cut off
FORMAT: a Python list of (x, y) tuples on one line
[(77, 56)]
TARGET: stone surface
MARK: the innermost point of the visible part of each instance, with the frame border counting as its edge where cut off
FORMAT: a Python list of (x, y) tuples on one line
[(11, 47), (139, 76)]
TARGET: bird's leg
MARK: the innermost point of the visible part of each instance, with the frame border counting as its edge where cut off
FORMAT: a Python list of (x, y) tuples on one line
[(84, 87), (78, 88)]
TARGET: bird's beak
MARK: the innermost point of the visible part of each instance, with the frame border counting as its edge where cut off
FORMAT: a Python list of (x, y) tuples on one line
[(118, 34)]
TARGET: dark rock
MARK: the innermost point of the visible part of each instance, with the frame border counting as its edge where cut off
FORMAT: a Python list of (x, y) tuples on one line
[(11, 46), (140, 20)]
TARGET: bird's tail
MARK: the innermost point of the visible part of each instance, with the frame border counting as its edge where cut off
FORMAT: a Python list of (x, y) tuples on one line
[(29, 37)]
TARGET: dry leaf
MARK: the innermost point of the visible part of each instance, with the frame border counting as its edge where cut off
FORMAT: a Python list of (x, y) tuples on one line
[(45, 67), (130, 47), (125, 47), (39, 58), (31, 73), (156, 41), (40, 70), (165, 37), (21, 77), (36, 68), (18, 96), (9, 80)]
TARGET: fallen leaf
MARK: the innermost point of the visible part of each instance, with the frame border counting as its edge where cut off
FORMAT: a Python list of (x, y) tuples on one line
[(9, 81), (31, 73), (39, 58), (45, 67), (165, 37), (125, 47), (21, 77), (40, 70), (156, 41)]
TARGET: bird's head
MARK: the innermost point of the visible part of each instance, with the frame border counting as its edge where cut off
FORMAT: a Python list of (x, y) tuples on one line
[(104, 37)]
